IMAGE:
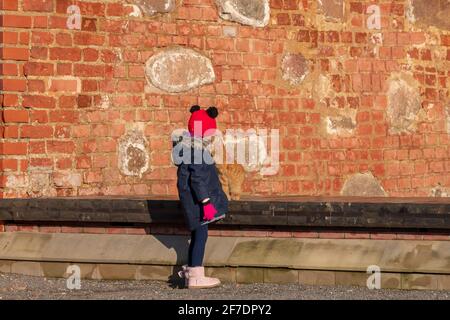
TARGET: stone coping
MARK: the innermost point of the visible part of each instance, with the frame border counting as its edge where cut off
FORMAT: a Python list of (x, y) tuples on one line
[(333, 212)]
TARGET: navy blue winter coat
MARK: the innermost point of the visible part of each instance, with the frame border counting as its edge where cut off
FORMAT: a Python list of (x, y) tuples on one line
[(197, 181)]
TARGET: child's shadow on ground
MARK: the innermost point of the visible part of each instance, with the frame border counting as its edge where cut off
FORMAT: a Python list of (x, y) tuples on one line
[(180, 243)]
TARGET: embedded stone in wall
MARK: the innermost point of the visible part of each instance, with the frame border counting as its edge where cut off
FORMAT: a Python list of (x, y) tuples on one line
[(133, 154), (152, 7), (430, 13), (404, 103), (248, 12), (342, 123), (179, 69), (294, 68), (67, 179), (17, 181), (253, 147), (363, 185), (323, 88), (38, 181), (39, 184), (332, 9), (439, 192)]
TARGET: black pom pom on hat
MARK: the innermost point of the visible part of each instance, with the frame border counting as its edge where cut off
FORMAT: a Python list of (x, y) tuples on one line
[(212, 112), (194, 108)]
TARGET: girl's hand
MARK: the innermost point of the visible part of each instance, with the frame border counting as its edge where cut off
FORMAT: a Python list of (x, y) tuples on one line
[(209, 211)]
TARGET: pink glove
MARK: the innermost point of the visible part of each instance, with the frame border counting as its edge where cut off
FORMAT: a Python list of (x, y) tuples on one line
[(209, 211)]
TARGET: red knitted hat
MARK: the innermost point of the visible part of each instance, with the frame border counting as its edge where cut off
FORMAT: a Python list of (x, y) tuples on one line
[(202, 121)]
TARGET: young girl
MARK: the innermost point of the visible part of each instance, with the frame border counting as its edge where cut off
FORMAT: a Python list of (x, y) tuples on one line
[(200, 191)]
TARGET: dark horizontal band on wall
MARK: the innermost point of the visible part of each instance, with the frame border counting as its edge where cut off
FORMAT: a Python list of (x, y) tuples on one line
[(336, 212)]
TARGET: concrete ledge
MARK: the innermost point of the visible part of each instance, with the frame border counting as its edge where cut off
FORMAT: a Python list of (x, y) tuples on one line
[(404, 264), (404, 256)]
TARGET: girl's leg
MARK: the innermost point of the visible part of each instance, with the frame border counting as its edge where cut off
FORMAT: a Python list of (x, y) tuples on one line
[(197, 246), (195, 276)]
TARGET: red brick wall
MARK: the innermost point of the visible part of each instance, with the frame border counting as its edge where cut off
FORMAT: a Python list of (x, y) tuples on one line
[(58, 139)]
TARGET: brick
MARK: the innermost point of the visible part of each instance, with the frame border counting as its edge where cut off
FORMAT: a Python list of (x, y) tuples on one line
[(41, 162), (357, 235), (10, 132), (9, 69), (62, 116), (18, 54), (71, 54), (86, 39), (63, 147), (94, 230), (39, 53), (130, 86), (40, 22), (280, 234), (14, 85), (383, 236), (63, 39), (9, 5), (8, 164), (64, 69), (50, 229), (11, 228), (436, 237), (39, 116), (38, 101), (90, 54), (118, 230), (38, 69), (10, 37), (38, 5), (87, 70), (305, 234), (15, 21), (331, 235), (115, 10), (69, 229), (36, 132), (64, 85), (13, 148), (15, 116), (405, 236), (41, 38)]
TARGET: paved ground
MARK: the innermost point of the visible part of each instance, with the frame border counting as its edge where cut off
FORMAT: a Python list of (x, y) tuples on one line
[(26, 287)]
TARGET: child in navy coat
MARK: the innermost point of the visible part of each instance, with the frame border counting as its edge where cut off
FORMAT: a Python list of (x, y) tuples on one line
[(199, 189)]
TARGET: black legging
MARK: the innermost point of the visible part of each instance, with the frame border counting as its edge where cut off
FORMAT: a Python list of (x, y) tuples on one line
[(197, 246)]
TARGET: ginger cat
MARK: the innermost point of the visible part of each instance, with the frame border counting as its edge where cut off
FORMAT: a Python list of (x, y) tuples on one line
[(231, 177)]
